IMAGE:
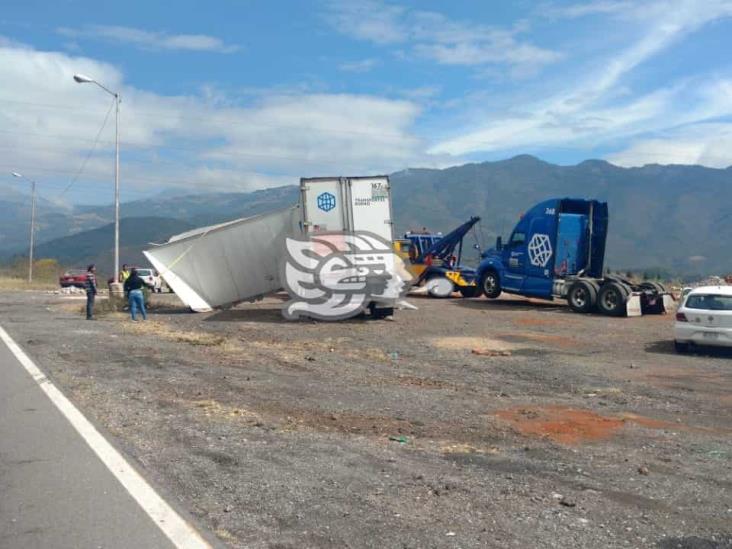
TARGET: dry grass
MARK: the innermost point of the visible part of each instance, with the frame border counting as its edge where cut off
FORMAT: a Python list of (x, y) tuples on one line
[(161, 329), (13, 283), (290, 350), (460, 448), (214, 409), (477, 345)]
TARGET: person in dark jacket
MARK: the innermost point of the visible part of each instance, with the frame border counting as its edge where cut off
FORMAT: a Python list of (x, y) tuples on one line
[(91, 290), (133, 288)]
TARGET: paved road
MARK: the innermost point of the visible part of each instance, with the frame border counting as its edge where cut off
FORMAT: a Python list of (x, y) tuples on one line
[(54, 490)]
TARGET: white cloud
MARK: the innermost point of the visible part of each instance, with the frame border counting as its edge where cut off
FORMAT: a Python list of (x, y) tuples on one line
[(148, 40), (638, 11), (596, 109), (364, 65), (573, 11), (48, 123), (433, 36), (708, 144), (368, 20)]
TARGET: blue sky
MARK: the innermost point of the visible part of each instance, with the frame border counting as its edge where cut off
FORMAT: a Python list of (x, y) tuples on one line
[(244, 95)]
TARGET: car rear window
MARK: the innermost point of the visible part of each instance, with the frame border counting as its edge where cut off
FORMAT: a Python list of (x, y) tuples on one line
[(144, 272), (709, 302)]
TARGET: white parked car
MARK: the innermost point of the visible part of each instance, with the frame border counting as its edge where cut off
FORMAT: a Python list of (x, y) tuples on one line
[(152, 278), (704, 318)]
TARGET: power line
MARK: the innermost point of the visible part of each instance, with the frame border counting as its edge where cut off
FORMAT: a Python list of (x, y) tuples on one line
[(53, 186), (94, 146)]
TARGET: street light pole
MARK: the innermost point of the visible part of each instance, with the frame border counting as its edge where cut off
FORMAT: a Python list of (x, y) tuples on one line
[(81, 79), (116, 188), (32, 224)]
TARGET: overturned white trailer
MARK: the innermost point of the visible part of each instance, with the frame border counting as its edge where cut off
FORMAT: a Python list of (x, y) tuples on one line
[(241, 260), (228, 263)]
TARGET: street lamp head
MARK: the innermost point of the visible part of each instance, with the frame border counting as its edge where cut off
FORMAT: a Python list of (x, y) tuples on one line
[(16, 174), (82, 79)]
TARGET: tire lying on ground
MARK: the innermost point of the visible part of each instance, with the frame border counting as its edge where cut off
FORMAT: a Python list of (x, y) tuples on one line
[(612, 298), (440, 287), (582, 296)]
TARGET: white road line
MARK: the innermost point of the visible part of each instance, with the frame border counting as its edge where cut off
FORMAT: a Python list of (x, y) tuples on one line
[(182, 534)]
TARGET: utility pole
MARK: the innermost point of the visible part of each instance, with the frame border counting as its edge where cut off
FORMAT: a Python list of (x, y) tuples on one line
[(116, 187), (81, 79), (32, 224)]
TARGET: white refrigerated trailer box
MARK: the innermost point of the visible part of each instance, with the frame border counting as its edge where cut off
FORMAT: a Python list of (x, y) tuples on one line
[(241, 260), (331, 204)]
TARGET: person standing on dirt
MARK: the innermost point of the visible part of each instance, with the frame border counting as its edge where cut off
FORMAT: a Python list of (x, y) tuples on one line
[(133, 287), (91, 290)]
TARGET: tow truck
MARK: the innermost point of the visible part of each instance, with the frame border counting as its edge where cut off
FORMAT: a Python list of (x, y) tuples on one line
[(435, 261)]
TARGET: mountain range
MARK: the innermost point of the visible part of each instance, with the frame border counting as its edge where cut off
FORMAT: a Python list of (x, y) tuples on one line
[(676, 218)]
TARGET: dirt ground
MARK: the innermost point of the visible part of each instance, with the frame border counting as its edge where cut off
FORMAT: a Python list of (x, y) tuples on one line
[(468, 423)]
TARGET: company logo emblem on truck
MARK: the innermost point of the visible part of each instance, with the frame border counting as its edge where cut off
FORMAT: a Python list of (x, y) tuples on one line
[(332, 276), (540, 250), (326, 201)]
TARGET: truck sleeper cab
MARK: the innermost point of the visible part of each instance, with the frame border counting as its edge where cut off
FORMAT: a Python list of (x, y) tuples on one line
[(557, 250)]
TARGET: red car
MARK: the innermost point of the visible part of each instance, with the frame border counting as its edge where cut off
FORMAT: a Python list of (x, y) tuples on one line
[(74, 277)]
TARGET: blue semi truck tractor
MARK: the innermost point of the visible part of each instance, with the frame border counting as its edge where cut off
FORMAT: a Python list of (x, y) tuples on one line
[(557, 250)]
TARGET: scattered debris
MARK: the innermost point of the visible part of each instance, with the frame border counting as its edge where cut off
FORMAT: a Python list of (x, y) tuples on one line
[(70, 290), (567, 502), (401, 439), (643, 470)]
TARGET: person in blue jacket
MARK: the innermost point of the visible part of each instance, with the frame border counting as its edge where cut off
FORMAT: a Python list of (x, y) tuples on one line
[(133, 288)]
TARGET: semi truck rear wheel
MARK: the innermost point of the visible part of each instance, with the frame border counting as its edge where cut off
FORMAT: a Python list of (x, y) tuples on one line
[(582, 296), (612, 299), (491, 285)]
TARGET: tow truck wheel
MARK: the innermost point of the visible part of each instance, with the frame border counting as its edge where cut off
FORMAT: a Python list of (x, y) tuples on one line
[(470, 291), (440, 287), (491, 285), (612, 298), (582, 297)]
